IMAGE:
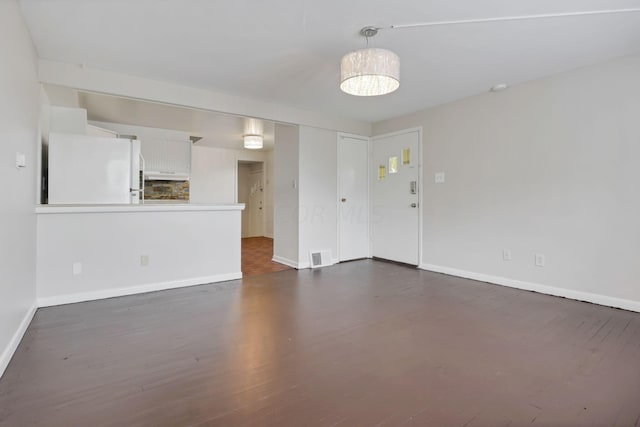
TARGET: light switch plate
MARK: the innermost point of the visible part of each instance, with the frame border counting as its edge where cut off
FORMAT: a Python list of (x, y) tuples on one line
[(439, 177), (506, 255), (540, 260)]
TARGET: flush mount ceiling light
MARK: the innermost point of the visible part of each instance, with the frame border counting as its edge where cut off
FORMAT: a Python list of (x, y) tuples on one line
[(253, 131), (499, 87), (253, 142), (369, 71)]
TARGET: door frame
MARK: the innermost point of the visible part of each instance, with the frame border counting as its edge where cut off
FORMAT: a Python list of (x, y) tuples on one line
[(421, 185), (340, 136), (238, 161), (262, 215)]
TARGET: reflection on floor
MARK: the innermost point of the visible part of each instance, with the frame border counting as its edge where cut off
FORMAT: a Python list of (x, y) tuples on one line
[(257, 253)]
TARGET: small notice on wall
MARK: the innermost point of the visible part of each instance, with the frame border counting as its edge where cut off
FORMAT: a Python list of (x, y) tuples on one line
[(382, 172), (406, 156)]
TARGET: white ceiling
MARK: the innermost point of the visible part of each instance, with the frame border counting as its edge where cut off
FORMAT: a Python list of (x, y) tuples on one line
[(288, 51)]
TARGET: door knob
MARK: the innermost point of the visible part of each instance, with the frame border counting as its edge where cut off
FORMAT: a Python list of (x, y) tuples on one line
[(414, 205), (343, 200)]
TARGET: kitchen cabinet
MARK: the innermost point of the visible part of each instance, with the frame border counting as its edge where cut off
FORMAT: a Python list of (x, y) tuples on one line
[(102, 132), (68, 120), (166, 157)]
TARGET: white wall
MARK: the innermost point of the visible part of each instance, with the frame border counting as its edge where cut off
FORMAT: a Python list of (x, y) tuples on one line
[(547, 167), (183, 248), (19, 110), (285, 195), (213, 173), (318, 216)]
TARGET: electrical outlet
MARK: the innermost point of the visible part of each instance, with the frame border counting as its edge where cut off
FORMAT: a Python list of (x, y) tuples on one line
[(21, 160), (540, 260), (506, 255), (77, 268), (439, 177), (144, 260)]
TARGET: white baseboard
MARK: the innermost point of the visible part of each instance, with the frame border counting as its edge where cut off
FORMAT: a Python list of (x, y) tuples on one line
[(140, 289), (285, 261), (298, 265), (307, 264), (303, 265), (11, 348), (543, 289)]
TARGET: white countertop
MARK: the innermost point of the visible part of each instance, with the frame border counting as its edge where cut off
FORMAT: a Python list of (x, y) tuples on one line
[(160, 207)]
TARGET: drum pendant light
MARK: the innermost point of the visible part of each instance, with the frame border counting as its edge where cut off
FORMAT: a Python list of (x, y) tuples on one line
[(369, 71)]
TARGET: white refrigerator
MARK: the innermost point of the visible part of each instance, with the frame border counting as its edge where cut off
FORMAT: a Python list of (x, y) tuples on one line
[(94, 170)]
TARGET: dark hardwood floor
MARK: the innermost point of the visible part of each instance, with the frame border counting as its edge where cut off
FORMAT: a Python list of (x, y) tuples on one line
[(364, 343)]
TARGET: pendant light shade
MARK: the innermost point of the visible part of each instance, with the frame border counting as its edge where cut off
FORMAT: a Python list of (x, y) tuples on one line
[(370, 72), (253, 142)]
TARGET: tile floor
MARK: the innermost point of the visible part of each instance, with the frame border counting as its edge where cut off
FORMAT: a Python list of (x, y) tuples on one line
[(257, 253)]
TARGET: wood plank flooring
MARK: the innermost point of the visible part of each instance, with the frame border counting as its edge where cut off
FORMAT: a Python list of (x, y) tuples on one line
[(364, 343), (257, 253)]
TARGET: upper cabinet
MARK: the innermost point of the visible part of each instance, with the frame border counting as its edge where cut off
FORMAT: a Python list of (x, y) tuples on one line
[(166, 158), (98, 131), (68, 120)]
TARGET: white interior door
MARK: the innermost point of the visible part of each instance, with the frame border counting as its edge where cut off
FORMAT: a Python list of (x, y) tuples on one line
[(353, 191), (395, 187)]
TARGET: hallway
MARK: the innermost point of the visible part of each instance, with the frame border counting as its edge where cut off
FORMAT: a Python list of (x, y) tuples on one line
[(257, 253)]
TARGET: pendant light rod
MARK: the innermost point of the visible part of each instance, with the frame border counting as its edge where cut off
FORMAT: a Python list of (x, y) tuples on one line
[(511, 18)]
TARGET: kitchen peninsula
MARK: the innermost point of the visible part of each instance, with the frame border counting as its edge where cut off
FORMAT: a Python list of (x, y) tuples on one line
[(88, 252)]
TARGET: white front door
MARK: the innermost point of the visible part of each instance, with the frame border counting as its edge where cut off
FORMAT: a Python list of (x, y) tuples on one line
[(395, 189), (353, 192)]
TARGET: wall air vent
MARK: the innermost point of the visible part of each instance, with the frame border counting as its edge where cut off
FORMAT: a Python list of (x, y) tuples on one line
[(320, 258)]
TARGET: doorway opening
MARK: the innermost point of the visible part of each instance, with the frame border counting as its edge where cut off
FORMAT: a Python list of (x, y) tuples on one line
[(257, 245), (251, 193)]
